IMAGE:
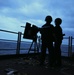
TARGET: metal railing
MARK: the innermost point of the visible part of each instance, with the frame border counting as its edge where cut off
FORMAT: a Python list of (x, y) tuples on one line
[(18, 41), (69, 45)]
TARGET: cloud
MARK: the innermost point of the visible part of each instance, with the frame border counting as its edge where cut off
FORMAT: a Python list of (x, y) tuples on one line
[(8, 23), (24, 9), (14, 4), (15, 13)]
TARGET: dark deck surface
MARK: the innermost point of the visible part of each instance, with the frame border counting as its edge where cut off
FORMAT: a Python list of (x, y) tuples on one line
[(29, 65)]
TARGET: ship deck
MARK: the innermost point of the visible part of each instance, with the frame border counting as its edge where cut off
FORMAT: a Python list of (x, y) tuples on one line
[(29, 65)]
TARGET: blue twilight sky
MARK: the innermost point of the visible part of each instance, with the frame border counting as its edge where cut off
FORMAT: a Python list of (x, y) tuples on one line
[(15, 13)]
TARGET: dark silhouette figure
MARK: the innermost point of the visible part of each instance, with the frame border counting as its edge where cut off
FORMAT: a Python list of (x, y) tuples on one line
[(47, 40), (57, 45)]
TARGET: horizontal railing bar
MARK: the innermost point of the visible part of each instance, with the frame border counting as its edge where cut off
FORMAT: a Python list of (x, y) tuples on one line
[(13, 40), (64, 52), (24, 48), (15, 49), (65, 37), (8, 31), (8, 49), (72, 38), (7, 40)]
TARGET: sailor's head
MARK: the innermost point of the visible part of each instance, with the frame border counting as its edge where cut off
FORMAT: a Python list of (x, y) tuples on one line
[(58, 21), (48, 18)]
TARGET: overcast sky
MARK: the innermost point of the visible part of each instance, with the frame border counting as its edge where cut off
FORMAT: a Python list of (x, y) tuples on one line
[(15, 13)]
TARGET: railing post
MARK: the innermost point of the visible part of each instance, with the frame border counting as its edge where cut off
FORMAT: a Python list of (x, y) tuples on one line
[(18, 43), (69, 47)]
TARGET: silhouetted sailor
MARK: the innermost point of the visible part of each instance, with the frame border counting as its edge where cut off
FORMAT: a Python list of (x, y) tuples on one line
[(47, 40), (59, 37)]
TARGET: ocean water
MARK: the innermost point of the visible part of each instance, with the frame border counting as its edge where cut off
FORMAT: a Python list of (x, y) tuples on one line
[(7, 48)]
